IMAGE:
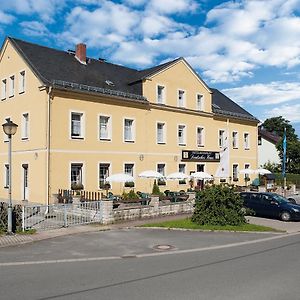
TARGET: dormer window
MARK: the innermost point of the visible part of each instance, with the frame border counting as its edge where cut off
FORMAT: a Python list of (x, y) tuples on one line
[(109, 83)]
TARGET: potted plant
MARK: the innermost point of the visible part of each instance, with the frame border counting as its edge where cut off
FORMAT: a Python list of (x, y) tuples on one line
[(129, 184)]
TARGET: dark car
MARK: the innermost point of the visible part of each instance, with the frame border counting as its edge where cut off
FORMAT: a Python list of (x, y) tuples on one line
[(271, 205)]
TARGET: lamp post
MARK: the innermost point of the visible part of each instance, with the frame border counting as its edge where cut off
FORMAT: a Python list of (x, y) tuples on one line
[(9, 128)]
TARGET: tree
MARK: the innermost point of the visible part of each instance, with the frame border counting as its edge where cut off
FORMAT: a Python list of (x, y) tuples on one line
[(277, 125)]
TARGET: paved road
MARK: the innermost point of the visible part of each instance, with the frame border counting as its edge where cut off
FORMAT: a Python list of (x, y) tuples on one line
[(124, 264)]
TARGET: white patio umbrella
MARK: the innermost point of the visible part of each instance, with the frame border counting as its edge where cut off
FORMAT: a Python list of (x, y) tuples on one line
[(262, 171), (201, 176), (120, 177), (177, 176), (152, 175), (247, 171)]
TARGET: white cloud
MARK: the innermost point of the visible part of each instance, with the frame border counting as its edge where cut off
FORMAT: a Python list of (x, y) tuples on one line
[(45, 9), (6, 18), (266, 94), (289, 112), (171, 6), (35, 28)]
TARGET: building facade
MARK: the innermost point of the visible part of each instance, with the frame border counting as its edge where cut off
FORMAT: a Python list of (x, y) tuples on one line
[(82, 119)]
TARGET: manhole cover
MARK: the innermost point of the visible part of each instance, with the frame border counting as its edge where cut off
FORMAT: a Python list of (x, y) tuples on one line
[(163, 247)]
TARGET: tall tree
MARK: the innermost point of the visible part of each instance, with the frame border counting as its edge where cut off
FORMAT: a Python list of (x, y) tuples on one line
[(276, 125)]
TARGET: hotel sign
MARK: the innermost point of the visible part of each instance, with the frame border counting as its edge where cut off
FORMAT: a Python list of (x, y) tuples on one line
[(190, 155)]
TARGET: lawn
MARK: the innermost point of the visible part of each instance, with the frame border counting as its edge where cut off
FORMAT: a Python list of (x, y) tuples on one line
[(188, 224)]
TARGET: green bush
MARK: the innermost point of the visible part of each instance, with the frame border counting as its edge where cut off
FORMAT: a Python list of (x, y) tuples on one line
[(155, 189), (219, 205)]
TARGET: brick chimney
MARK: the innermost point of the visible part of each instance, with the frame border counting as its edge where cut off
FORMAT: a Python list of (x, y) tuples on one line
[(81, 53)]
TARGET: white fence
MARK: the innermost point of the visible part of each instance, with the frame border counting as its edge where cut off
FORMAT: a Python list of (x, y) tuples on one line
[(43, 217)]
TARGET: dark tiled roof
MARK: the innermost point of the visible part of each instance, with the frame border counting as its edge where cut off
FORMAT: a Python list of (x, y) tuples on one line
[(62, 69), (222, 105), (271, 137), (50, 64)]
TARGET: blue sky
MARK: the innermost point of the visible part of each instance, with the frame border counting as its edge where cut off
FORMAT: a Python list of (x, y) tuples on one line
[(250, 50)]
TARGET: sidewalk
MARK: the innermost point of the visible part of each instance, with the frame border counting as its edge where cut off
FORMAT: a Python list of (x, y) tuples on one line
[(19, 239)]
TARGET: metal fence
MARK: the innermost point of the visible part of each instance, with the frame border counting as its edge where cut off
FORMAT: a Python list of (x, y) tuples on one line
[(43, 217)]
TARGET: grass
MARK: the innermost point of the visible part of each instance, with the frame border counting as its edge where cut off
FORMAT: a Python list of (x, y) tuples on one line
[(188, 224), (28, 231)]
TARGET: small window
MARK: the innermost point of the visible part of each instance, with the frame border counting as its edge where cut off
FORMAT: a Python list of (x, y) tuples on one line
[(200, 136), (3, 89), (22, 82), (181, 98), (160, 138), (11, 86), (221, 138), (247, 166), (76, 125), (76, 173), (128, 169), (234, 139), (161, 168), (6, 175), (25, 126), (246, 141), (182, 169), (105, 128), (181, 135), (128, 130), (200, 102), (160, 96), (103, 174), (235, 172)]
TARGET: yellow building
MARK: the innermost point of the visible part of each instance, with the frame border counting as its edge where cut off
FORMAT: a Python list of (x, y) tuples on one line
[(81, 119)]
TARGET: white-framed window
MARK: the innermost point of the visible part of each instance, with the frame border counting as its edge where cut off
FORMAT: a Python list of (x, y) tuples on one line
[(128, 168), (246, 141), (181, 133), (247, 166), (25, 126), (161, 168), (235, 139), (3, 88), (200, 136), (200, 102), (76, 173), (77, 129), (181, 98), (5, 137), (22, 82), (160, 94), (11, 85), (160, 133), (105, 128), (6, 175), (103, 174), (182, 169), (221, 138), (235, 172), (128, 130)]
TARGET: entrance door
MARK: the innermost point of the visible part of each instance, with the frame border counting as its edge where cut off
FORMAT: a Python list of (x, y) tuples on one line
[(25, 182), (200, 183)]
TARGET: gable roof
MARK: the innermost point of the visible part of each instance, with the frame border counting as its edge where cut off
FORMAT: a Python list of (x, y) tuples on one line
[(222, 105), (61, 69)]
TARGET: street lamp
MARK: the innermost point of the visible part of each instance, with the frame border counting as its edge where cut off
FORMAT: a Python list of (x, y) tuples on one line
[(9, 128)]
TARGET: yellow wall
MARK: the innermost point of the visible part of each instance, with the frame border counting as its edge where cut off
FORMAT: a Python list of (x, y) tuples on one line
[(144, 152)]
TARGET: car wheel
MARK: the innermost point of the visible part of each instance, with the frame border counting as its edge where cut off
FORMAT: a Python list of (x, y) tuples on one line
[(285, 216)]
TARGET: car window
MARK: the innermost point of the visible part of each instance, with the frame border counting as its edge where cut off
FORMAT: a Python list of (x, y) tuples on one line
[(255, 198)]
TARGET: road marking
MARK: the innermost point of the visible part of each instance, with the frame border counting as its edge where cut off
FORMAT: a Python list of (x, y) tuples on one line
[(89, 259)]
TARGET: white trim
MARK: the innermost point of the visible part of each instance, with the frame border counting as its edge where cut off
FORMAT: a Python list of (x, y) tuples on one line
[(22, 180), (203, 136), (82, 125), (184, 98), (164, 96), (110, 130), (218, 136), (164, 142), (11, 92), (5, 179), (82, 171), (109, 173), (237, 139), (162, 163), (184, 135), (5, 137), (133, 130), (22, 78), (246, 148), (202, 102), (23, 137), (4, 90), (238, 169)]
